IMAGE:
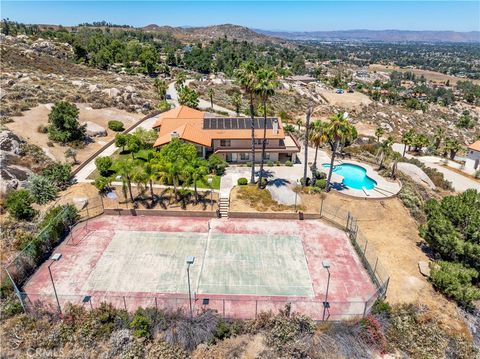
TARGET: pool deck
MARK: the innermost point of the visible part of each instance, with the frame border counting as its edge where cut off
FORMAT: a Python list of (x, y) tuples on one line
[(385, 188)]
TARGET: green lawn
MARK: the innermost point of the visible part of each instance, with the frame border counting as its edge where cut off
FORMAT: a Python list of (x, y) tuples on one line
[(204, 184)]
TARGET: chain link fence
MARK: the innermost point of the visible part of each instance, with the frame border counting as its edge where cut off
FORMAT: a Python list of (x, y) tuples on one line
[(25, 264)]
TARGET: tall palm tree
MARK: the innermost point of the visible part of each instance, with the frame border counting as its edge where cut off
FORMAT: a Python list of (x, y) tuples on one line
[(173, 171), (210, 95), (180, 80), (439, 136), (267, 82), (385, 150), (151, 173), (379, 132), (317, 138), (245, 76), (338, 130)]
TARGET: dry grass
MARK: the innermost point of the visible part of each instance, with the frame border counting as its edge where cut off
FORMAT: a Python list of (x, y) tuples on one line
[(244, 198)]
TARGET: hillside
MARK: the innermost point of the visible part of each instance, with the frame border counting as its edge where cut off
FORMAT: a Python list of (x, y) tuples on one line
[(378, 35), (207, 33)]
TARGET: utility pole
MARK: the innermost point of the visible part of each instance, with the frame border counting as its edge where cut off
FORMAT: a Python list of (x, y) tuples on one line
[(307, 130)]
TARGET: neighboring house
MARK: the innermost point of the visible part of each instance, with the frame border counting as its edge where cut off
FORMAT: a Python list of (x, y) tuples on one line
[(229, 137), (473, 156), (304, 79)]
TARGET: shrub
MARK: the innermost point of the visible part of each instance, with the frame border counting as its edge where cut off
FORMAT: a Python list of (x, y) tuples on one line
[(242, 181), (164, 105), (372, 334), (248, 164), (121, 141), (216, 165), (59, 174), (455, 281), (270, 163), (103, 165), (42, 129), (41, 189), (321, 183), (320, 175), (277, 163), (141, 325), (102, 183), (19, 205), (116, 126), (305, 183), (288, 163)]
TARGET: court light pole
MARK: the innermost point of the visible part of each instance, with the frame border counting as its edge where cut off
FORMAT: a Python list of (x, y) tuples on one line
[(55, 258), (190, 260), (326, 265)]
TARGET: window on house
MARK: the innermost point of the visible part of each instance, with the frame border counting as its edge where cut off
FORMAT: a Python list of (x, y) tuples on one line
[(267, 156), (244, 156), (225, 143), (259, 142)]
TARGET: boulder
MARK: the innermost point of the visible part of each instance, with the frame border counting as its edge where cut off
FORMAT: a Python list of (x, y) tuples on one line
[(111, 92), (424, 268), (78, 83), (93, 88), (80, 203), (95, 130)]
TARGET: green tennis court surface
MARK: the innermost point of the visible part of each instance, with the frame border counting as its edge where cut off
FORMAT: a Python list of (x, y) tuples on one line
[(138, 261)]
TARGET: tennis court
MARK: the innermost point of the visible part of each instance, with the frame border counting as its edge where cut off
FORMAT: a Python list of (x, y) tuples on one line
[(114, 258)]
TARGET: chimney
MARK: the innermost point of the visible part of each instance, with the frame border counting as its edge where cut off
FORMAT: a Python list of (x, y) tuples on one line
[(174, 134), (275, 126)]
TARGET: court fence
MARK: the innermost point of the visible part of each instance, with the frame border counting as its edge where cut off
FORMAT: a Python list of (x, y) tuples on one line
[(229, 307), (63, 220)]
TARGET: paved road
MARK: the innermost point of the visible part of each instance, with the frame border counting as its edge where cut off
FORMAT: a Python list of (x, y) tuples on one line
[(202, 104)]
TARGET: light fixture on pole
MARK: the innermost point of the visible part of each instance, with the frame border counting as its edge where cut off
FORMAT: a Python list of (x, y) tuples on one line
[(326, 304), (55, 258), (190, 260)]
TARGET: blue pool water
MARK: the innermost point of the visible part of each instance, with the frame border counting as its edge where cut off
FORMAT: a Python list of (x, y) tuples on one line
[(353, 176)]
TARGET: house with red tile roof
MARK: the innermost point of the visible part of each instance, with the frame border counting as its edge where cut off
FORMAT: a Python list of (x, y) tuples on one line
[(229, 137), (473, 154)]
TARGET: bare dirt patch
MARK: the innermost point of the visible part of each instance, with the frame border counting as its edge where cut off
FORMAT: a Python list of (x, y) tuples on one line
[(394, 235), (355, 100), (28, 124)]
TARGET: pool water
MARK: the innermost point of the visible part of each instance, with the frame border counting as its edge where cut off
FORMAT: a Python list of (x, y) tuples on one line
[(354, 176)]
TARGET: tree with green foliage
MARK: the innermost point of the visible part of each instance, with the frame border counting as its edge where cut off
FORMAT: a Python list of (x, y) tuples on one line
[(104, 165), (317, 138), (455, 281), (188, 97), (134, 144), (451, 147), (337, 131), (265, 85), (236, 100), (216, 165), (125, 168), (385, 150), (246, 78), (438, 137), (149, 59), (42, 189), (164, 105), (19, 205), (180, 79), (59, 174), (63, 123), (211, 93), (121, 141), (194, 172), (408, 140), (379, 132), (161, 87)]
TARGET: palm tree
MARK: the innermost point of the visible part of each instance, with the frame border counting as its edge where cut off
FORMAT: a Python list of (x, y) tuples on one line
[(245, 76), (194, 172), (299, 123), (317, 137), (337, 131), (265, 87), (180, 80), (124, 167), (210, 95), (151, 173), (173, 172), (237, 102), (161, 87), (307, 137), (379, 132), (451, 146), (408, 139), (385, 150)]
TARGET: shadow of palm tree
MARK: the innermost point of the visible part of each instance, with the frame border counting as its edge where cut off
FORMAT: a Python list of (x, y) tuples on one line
[(278, 182), (265, 173)]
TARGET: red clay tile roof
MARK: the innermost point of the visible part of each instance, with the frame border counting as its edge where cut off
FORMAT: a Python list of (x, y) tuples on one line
[(475, 146)]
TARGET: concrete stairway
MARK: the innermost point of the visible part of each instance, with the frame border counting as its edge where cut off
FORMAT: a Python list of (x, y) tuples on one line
[(223, 205)]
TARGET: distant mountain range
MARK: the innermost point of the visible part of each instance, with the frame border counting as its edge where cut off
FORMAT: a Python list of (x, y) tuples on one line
[(377, 35)]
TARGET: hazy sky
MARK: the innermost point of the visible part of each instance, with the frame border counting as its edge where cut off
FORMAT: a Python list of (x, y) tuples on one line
[(268, 15)]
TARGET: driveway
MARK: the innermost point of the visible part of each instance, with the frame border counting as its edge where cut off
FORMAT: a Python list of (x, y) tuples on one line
[(460, 182)]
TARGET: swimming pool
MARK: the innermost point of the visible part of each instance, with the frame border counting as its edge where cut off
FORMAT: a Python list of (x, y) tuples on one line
[(354, 176)]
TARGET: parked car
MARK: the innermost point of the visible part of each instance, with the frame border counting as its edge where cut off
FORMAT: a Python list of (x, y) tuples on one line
[(168, 96)]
